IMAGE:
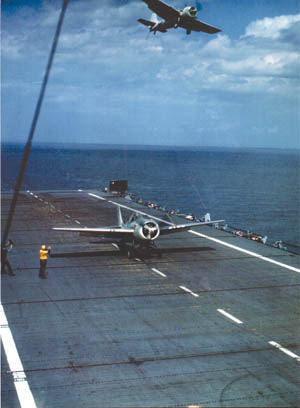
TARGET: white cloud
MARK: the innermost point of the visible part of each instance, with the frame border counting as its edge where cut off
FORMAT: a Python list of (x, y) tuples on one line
[(242, 65), (11, 47), (271, 27), (73, 40), (155, 49)]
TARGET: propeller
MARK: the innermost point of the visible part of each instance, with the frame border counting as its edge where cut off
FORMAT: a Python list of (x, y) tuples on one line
[(150, 230), (197, 5)]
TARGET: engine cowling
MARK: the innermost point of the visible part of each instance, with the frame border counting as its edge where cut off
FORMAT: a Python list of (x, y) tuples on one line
[(189, 12), (147, 231)]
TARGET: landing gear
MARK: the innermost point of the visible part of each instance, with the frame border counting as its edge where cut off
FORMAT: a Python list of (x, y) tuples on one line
[(134, 249), (152, 250), (127, 250), (177, 24), (143, 251)]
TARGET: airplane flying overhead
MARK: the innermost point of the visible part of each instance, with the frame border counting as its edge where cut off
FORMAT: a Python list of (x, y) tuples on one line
[(137, 235), (185, 18)]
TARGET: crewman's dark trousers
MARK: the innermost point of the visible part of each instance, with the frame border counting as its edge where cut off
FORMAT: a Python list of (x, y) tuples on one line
[(43, 264), (4, 265)]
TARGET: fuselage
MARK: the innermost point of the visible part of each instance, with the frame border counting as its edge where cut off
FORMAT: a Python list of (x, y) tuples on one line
[(186, 13)]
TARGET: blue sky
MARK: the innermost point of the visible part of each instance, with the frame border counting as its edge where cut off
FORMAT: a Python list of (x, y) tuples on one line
[(113, 83)]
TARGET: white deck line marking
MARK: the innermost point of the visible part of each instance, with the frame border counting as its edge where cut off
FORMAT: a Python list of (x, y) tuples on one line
[(79, 190), (115, 245), (159, 272), (41, 199), (60, 211), (35, 196), (229, 316), (284, 350), (292, 268), (67, 215), (46, 202), (96, 196), (77, 222), (189, 291), (31, 193), (15, 365)]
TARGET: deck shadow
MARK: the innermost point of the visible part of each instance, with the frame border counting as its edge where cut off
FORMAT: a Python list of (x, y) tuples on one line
[(118, 253)]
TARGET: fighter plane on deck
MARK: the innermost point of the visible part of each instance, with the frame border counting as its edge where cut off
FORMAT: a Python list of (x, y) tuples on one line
[(137, 235), (185, 18)]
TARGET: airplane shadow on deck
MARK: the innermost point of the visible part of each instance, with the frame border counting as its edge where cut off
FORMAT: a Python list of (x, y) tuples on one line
[(161, 251)]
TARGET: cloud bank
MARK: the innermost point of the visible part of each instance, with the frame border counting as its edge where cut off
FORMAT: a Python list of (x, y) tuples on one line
[(113, 83)]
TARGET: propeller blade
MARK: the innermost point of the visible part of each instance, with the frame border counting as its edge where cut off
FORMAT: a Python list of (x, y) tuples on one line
[(198, 5)]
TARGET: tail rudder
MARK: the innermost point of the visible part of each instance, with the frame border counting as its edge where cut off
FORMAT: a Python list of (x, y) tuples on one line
[(207, 217), (154, 18), (120, 218)]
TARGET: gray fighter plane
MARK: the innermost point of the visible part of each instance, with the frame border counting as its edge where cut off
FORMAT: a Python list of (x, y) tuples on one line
[(137, 235), (185, 18)]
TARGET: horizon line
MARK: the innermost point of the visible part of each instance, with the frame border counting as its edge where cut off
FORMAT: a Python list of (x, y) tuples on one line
[(71, 145)]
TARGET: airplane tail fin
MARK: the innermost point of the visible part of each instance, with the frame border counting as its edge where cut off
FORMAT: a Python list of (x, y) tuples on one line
[(154, 18), (150, 23), (120, 218), (207, 217)]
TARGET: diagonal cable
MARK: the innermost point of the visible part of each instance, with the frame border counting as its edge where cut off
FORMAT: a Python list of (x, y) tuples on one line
[(33, 126)]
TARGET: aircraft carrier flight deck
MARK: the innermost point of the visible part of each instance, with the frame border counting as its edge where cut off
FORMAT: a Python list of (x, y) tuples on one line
[(213, 322)]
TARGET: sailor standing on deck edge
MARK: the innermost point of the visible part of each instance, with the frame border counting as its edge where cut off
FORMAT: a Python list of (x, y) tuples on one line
[(4, 261), (43, 260)]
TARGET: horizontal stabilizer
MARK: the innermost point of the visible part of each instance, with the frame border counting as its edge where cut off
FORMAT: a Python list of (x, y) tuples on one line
[(146, 22)]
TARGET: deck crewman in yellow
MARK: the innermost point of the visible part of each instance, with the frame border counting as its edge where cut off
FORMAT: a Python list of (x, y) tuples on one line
[(43, 260)]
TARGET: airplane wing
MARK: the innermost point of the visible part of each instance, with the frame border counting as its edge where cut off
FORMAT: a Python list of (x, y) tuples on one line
[(197, 25), (162, 9), (169, 222), (170, 228), (111, 232), (183, 227)]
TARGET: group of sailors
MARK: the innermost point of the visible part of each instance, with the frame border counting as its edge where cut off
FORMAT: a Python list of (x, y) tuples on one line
[(245, 234), (149, 204)]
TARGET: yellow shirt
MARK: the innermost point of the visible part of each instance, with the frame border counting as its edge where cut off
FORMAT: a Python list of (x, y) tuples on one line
[(43, 254)]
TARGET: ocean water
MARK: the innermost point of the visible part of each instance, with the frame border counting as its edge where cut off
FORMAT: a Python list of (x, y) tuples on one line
[(251, 189)]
